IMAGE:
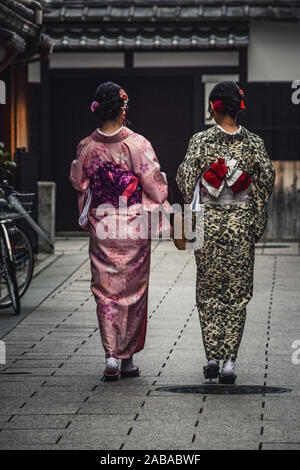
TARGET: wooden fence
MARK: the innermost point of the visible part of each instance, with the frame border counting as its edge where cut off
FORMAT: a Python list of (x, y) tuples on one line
[(284, 205)]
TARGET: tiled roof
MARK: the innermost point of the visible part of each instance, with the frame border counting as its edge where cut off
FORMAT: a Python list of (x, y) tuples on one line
[(134, 38), (170, 10), (154, 43), (18, 26), (14, 39), (18, 18), (158, 24)]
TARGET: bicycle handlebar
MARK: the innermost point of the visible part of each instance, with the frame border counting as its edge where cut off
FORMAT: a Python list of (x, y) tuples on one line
[(4, 184)]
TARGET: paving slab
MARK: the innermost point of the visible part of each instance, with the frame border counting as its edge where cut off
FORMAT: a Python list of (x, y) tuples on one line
[(14, 438), (279, 445), (84, 439), (21, 422), (42, 286), (52, 391)]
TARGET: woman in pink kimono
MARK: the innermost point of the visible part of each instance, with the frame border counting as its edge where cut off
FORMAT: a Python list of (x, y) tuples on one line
[(115, 164)]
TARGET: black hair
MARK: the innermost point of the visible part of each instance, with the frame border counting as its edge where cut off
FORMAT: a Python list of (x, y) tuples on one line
[(110, 102), (229, 94)]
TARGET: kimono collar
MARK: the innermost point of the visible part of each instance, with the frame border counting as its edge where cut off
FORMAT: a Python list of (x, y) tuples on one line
[(122, 134), (221, 136)]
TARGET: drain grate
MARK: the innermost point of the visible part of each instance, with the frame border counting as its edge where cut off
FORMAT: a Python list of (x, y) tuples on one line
[(215, 389)]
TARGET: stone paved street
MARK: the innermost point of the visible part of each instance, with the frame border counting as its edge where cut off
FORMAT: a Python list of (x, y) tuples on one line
[(53, 395)]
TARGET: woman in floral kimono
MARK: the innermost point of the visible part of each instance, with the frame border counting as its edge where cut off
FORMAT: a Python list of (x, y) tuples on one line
[(115, 164), (233, 176)]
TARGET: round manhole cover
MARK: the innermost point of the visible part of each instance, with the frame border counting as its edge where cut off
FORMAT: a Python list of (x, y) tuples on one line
[(215, 389)]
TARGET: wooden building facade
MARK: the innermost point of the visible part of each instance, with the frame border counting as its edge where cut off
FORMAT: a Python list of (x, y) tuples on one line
[(21, 41), (168, 54)]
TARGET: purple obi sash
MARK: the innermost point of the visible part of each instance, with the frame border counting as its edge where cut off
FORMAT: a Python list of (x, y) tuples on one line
[(110, 181)]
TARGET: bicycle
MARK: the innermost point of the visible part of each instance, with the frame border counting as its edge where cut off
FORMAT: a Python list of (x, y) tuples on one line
[(16, 250)]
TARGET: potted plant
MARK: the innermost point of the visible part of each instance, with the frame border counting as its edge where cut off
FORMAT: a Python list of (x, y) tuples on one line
[(6, 167)]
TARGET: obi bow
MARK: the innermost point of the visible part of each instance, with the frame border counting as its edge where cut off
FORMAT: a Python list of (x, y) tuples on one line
[(225, 170), (110, 181)]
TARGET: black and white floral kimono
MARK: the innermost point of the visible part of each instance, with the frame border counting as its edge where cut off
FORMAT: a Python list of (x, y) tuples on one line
[(234, 178)]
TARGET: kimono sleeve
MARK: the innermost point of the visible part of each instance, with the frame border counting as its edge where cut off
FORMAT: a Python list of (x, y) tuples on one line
[(263, 178), (188, 172), (147, 168), (78, 177)]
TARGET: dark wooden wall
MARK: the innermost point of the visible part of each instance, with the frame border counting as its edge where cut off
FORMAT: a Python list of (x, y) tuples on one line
[(168, 109), (272, 115), (14, 125), (160, 110)]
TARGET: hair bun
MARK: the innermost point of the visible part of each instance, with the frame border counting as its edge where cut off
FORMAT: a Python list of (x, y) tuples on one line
[(228, 93), (108, 97)]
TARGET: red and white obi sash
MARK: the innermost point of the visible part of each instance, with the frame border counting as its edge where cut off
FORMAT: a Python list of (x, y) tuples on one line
[(225, 171)]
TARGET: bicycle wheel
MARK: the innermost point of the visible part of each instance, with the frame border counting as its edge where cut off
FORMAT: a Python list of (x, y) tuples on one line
[(8, 272), (23, 258)]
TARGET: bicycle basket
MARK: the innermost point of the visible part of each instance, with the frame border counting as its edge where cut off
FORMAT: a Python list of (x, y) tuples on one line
[(26, 199)]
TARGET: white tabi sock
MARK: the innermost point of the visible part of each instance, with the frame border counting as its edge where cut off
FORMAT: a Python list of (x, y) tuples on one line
[(127, 364), (212, 362), (112, 363), (228, 366)]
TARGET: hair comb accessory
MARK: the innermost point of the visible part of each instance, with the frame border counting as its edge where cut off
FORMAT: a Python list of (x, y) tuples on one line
[(94, 105), (218, 106), (123, 95)]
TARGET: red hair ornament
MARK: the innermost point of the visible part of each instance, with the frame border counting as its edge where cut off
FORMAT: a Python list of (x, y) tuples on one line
[(218, 106), (242, 99)]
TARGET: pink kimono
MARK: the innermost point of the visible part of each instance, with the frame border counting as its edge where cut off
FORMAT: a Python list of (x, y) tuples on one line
[(121, 164)]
